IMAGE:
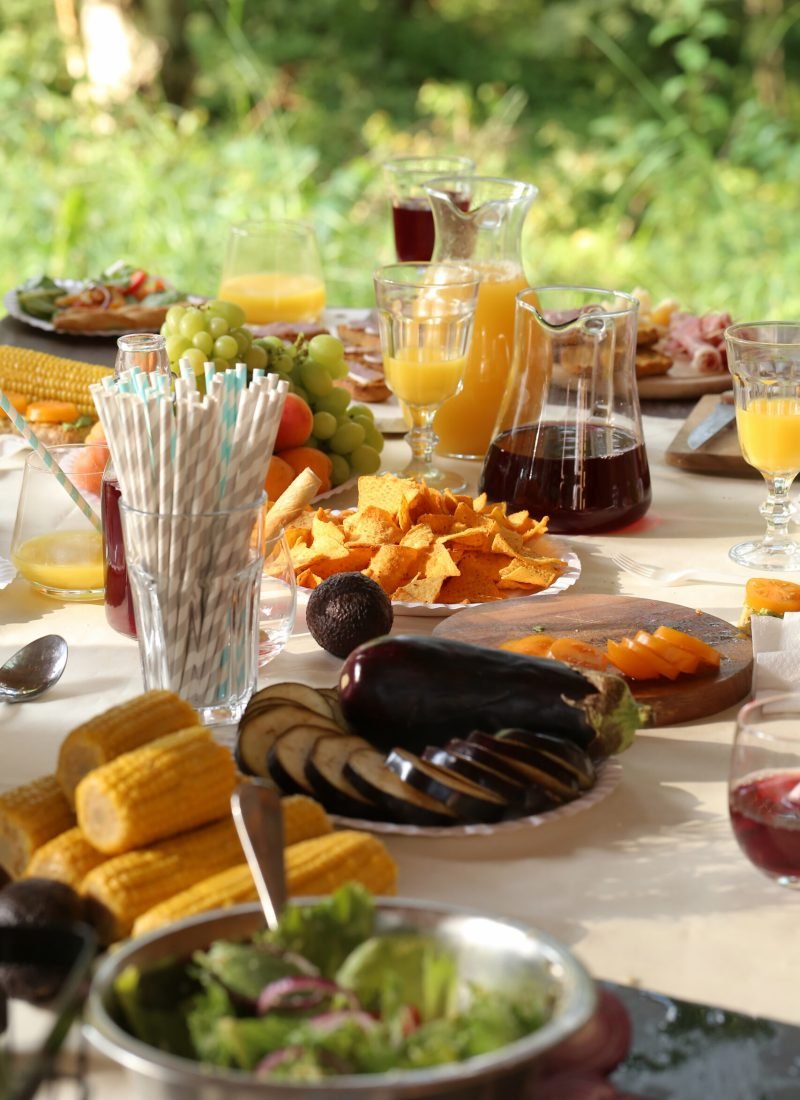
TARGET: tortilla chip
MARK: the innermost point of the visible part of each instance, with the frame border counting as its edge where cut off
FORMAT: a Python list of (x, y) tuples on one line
[(384, 492), (528, 572), (393, 566), (476, 538), (326, 530), (419, 536), (371, 527), (440, 563), (308, 579), (422, 589), (356, 559)]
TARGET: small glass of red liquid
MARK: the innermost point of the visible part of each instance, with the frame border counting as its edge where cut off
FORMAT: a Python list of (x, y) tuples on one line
[(412, 216), (764, 786)]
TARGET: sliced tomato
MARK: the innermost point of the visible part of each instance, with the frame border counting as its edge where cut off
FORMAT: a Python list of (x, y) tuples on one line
[(706, 654), (575, 652), (630, 664), (767, 594), (136, 281), (662, 667), (533, 645), (678, 658)]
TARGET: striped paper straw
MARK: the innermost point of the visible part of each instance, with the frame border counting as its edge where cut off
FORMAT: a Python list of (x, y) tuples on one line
[(48, 460)]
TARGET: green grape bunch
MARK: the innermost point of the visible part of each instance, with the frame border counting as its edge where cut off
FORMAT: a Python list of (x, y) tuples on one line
[(346, 432), (213, 332)]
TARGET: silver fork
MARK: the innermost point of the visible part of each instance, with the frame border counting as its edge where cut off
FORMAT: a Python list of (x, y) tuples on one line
[(667, 577)]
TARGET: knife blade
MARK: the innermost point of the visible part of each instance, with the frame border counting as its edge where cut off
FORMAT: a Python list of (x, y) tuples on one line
[(717, 420)]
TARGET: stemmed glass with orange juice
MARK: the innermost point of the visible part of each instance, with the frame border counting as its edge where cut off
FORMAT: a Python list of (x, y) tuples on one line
[(273, 271), (425, 315), (764, 359), (487, 234)]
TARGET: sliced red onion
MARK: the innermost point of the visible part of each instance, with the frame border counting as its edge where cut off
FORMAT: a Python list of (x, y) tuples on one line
[(277, 1058), (106, 293), (295, 993), (330, 1021), (600, 1045)]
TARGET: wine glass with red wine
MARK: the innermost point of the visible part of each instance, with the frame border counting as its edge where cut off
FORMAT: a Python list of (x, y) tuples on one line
[(764, 786), (412, 216)]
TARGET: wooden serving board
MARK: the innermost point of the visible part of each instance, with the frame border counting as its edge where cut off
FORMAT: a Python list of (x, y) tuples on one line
[(597, 618), (682, 380), (720, 455)]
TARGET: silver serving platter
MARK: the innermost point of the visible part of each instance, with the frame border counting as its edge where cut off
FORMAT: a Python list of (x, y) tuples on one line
[(491, 952)]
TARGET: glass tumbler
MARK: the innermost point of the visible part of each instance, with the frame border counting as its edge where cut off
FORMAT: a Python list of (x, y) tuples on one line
[(412, 216), (277, 600)]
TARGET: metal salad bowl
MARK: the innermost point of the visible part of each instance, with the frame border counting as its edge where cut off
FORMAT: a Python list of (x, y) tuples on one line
[(490, 952)]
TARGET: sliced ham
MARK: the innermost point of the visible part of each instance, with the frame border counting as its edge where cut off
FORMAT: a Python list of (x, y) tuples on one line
[(700, 339)]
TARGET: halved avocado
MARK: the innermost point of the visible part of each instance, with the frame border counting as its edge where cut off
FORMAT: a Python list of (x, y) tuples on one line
[(367, 771), (531, 764), (513, 790), (325, 773), (571, 756), (468, 800)]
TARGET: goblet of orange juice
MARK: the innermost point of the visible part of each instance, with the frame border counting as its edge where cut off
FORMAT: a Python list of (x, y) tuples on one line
[(425, 315), (764, 359), (54, 546), (273, 271)]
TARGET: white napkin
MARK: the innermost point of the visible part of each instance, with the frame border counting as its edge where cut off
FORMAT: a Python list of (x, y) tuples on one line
[(10, 444), (776, 653)]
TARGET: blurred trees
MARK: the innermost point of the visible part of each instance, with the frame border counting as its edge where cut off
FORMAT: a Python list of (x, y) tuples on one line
[(663, 134)]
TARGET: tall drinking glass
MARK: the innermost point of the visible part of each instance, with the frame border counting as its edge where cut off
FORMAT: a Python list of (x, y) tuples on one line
[(148, 352), (273, 270), (764, 786), (425, 315), (764, 359), (412, 217), (277, 599)]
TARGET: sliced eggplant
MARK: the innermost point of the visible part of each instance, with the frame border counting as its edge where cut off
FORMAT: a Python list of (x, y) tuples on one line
[(468, 800), (399, 801), (567, 753), (532, 765), (259, 732), (287, 758), (332, 697), (448, 688), (513, 790), (325, 773), (536, 799), (289, 692)]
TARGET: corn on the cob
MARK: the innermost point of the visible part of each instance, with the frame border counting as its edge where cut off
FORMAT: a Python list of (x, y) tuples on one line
[(120, 729), (173, 784), (303, 818), (124, 887), (31, 815), (40, 376), (319, 865), (68, 857), (315, 866)]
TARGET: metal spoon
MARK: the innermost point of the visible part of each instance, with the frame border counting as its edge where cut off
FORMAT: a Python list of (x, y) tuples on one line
[(257, 815), (33, 669)]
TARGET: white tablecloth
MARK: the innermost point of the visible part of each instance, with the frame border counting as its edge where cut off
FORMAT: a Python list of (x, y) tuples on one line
[(648, 886)]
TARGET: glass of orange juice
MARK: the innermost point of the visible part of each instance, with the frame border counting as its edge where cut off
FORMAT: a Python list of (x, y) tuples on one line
[(425, 315), (764, 360), (54, 545), (273, 271)]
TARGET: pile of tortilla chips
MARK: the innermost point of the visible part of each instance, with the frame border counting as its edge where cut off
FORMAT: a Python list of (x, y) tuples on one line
[(423, 545)]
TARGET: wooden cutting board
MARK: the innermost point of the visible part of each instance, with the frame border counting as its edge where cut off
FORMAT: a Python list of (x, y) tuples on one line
[(721, 455), (682, 380), (595, 618)]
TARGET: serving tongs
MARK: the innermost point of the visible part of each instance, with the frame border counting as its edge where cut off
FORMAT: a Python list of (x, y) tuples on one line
[(258, 817)]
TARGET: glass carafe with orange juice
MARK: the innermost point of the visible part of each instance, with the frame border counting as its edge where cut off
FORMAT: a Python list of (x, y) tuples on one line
[(479, 219), (274, 272)]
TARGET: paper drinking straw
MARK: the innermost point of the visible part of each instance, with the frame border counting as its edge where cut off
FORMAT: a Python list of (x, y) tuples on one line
[(48, 460)]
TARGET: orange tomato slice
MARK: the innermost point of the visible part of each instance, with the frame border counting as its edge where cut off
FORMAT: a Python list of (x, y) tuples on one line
[(52, 412), (630, 664), (679, 658), (704, 652), (575, 652), (657, 662), (766, 594), (533, 645)]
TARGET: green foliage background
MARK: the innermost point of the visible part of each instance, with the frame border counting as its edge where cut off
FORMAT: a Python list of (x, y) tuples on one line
[(662, 134)]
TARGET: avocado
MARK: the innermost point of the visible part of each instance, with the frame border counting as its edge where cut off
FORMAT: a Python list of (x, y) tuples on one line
[(36, 903), (346, 610)]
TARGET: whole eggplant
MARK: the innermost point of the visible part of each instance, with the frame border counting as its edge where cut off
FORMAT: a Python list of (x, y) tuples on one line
[(417, 691)]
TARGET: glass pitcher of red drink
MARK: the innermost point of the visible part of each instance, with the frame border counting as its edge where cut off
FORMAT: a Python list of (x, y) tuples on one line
[(148, 352), (568, 442)]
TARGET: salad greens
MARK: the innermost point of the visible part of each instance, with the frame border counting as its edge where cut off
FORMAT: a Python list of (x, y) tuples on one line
[(39, 296), (321, 996)]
